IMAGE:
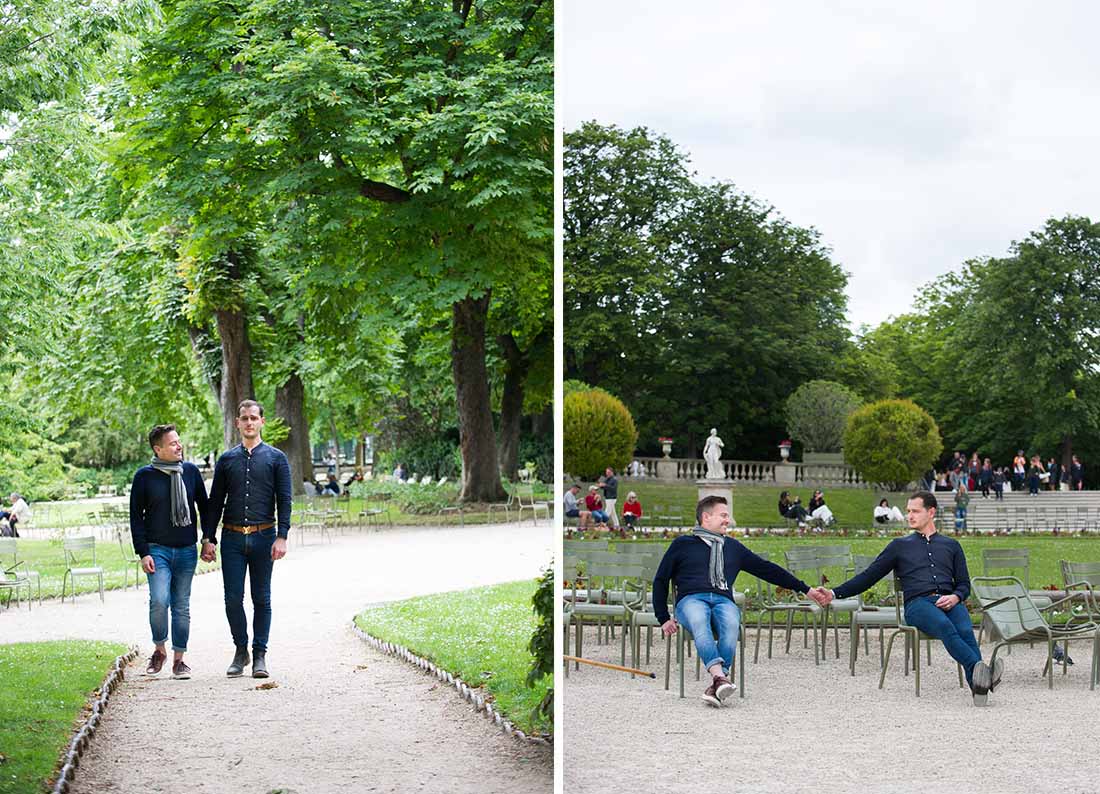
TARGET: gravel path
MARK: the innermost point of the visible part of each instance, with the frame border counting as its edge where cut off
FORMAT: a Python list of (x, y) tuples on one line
[(343, 717), (803, 728)]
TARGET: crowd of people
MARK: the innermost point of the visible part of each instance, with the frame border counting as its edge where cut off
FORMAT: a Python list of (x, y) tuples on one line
[(816, 514), (978, 474), (598, 510)]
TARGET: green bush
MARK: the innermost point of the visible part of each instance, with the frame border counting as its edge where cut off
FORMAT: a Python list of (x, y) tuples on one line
[(599, 432), (891, 442), (33, 466), (817, 414), (439, 457), (409, 498), (542, 641)]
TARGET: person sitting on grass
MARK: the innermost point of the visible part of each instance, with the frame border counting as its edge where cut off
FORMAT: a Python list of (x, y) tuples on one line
[(885, 512), (572, 508), (792, 509), (632, 510), (819, 511), (594, 503), (703, 567)]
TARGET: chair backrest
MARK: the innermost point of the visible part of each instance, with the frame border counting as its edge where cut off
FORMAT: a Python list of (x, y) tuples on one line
[(1010, 560), (611, 576), (579, 547), (1072, 572), (803, 558), (834, 556), (1017, 614), (525, 494), (78, 550)]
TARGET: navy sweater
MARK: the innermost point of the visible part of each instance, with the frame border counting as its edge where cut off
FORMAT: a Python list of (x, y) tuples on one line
[(687, 562), (151, 508), (936, 565)]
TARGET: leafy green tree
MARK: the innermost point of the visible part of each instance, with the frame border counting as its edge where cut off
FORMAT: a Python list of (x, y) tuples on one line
[(700, 305), (817, 414), (891, 442)]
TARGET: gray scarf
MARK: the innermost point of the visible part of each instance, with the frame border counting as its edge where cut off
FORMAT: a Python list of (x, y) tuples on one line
[(717, 561), (181, 511)]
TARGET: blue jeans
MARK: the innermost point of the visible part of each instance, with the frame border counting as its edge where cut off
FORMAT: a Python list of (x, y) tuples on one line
[(707, 614), (252, 553), (952, 627), (599, 516), (170, 586)]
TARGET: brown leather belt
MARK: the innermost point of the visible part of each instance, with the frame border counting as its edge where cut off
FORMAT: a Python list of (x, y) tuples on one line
[(248, 530)]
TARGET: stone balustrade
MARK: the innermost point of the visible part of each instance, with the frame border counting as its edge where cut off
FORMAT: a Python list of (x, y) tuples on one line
[(763, 472)]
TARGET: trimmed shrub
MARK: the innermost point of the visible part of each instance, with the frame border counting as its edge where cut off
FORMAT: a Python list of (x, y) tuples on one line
[(891, 442), (542, 641), (817, 414), (599, 432)]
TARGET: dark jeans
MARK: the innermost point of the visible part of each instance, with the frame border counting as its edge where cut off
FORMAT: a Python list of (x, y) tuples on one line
[(952, 627), (250, 552), (796, 513)]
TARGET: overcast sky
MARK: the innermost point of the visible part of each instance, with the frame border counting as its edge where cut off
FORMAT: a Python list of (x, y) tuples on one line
[(913, 137)]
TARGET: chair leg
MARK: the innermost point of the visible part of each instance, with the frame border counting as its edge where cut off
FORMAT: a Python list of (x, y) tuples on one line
[(853, 648), (742, 663), (886, 660), (668, 659)]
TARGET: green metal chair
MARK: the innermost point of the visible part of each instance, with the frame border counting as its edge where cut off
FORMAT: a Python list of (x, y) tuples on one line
[(14, 575), (684, 642), (1013, 613), (868, 617), (126, 547), (837, 558), (608, 577), (79, 552), (1011, 562), (913, 636), (1083, 577), (798, 560)]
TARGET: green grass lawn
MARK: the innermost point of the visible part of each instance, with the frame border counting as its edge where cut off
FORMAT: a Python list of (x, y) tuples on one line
[(44, 687), (480, 635), (47, 558)]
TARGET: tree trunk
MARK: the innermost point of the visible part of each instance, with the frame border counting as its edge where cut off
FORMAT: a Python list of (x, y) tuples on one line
[(336, 441), (204, 347), (360, 453), (290, 406), (543, 424), (480, 472), (236, 376), (511, 405)]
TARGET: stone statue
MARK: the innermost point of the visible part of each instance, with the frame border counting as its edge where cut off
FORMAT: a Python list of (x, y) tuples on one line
[(712, 454)]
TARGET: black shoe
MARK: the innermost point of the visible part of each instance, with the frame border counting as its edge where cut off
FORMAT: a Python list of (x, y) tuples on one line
[(998, 671), (980, 680), (240, 660), (259, 664)]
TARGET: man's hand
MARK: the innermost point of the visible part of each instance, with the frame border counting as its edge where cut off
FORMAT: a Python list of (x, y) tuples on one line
[(669, 627), (148, 564), (947, 602), (822, 596), (278, 549), (209, 551)]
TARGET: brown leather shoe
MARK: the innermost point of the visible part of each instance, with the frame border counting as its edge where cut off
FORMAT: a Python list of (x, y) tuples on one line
[(724, 689), (156, 661), (710, 696)]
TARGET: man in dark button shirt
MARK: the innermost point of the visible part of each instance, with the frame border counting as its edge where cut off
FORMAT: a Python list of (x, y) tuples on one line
[(163, 527), (611, 495), (704, 566), (250, 480), (932, 572)]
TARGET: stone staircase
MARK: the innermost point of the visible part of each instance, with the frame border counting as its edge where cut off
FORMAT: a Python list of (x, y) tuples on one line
[(1068, 511)]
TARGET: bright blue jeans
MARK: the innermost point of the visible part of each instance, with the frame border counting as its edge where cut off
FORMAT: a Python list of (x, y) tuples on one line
[(952, 627), (251, 553), (707, 614), (170, 587)]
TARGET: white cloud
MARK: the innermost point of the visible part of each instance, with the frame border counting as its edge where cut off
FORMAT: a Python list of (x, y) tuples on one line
[(911, 138)]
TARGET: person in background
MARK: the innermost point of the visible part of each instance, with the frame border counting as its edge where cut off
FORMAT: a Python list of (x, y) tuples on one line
[(962, 501), (973, 472), (985, 478), (595, 505), (999, 483), (1019, 470), (1034, 475), (19, 512), (609, 483), (792, 510), (1076, 475), (401, 474), (332, 488), (885, 512), (573, 508), (819, 510), (1054, 474), (632, 510)]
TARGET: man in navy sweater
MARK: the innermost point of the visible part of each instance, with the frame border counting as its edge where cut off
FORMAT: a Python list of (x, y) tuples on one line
[(163, 526), (703, 566), (931, 569)]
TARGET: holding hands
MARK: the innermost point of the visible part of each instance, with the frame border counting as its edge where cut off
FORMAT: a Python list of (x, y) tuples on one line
[(822, 596)]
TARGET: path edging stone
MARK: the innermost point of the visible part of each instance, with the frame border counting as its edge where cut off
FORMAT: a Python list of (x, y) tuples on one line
[(472, 695), (83, 735)]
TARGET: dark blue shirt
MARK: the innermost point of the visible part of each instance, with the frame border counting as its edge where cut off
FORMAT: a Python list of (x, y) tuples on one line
[(151, 508), (923, 567), (687, 562), (249, 485)]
